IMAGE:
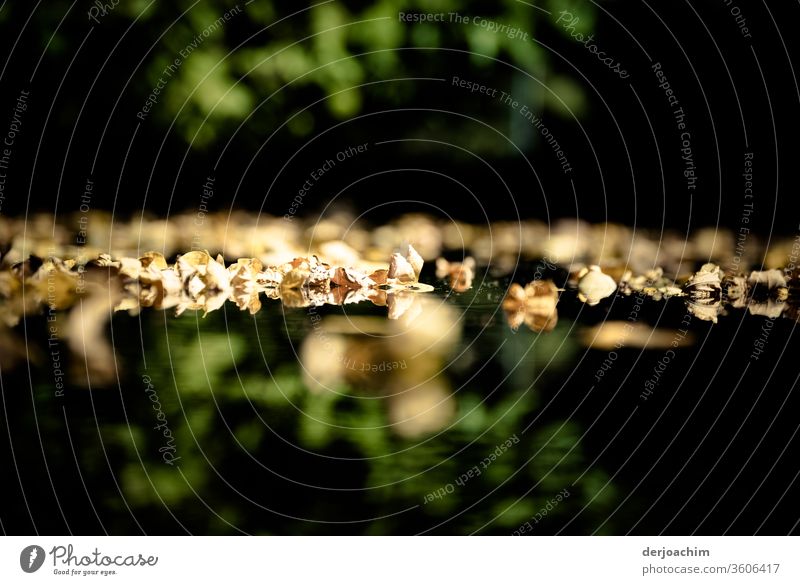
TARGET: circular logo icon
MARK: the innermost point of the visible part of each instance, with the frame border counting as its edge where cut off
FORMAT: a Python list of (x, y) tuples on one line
[(31, 558)]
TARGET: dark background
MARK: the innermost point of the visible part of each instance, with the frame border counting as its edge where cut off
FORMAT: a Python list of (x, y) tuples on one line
[(735, 435), (738, 94)]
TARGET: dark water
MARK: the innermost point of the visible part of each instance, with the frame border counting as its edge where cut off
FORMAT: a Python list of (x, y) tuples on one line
[(334, 420)]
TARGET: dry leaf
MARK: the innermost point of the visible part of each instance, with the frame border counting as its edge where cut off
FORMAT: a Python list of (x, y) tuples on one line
[(415, 260), (319, 273), (351, 278), (294, 279), (270, 277), (534, 305), (399, 304), (594, 285), (459, 274), (770, 278), (401, 269), (379, 276), (154, 259)]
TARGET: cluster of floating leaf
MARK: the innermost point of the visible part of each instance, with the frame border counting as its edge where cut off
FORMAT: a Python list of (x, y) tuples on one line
[(337, 260), (708, 293), (767, 293), (198, 282)]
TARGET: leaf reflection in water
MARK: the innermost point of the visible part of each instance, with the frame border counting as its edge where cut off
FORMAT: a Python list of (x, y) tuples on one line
[(534, 305), (403, 361)]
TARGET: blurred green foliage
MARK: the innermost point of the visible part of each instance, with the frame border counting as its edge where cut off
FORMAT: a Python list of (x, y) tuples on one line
[(264, 64), (233, 394)]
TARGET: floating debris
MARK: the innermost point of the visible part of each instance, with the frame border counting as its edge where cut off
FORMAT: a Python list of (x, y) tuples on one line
[(534, 305), (704, 293), (594, 285), (341, 261), (459, 275), (199, 282), (652, 283), (768, 291), (405, 269)]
